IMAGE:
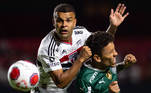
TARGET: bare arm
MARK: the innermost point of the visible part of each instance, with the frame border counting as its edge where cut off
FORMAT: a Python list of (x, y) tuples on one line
[(116, 18), (62, 79)]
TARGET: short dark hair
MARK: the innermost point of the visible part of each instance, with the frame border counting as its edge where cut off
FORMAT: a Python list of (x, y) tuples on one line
[(64, 7), (98, 40)]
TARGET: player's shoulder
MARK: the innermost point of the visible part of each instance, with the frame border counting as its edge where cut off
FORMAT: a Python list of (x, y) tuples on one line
[(50, 34), (87, 70), (48, 38), (88, 75), (79, 27), (80, 30)]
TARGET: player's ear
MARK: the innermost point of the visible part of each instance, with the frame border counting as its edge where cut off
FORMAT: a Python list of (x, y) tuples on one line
[(97, 58), (75, 22), (54, 19)]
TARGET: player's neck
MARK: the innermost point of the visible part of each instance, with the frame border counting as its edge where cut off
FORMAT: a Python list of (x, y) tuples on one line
[(66, 40), (98, 65)]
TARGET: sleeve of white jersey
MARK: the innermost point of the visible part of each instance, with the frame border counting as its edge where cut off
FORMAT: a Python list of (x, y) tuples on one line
[(49, 63), (86, 34)]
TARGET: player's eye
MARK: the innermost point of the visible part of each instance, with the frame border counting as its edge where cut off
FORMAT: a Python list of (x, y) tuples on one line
[(59, 20), (69, 20)]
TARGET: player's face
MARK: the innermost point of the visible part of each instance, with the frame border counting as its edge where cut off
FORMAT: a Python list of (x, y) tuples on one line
[(64, 23), (109, 55)]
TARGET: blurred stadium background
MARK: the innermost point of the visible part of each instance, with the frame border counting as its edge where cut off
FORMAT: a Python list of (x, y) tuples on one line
[(23, 23)]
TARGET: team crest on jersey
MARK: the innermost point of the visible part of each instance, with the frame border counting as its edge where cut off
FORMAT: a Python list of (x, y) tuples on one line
[(109, 75)]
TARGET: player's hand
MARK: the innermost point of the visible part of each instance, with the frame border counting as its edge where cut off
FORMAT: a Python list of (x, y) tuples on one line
[(117, 17), (129, 60), (85, 53), (114, 88)]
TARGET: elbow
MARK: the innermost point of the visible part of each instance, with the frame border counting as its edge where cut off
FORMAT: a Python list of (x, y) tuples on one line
[(61, 83), (59, 80)]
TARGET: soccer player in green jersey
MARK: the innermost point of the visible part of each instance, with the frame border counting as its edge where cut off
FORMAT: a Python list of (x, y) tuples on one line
[(98, 75)]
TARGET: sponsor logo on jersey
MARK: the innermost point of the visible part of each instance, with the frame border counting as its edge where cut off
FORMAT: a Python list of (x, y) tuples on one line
[(89, 89), (52, 59), (54, 64), (93, 76), (78, 32), (79, 42), (102, 81)]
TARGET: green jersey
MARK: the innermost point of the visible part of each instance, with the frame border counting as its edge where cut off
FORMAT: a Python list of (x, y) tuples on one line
[(92, 80)]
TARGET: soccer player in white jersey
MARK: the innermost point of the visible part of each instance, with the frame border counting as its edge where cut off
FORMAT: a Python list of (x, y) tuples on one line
[(62, 51)]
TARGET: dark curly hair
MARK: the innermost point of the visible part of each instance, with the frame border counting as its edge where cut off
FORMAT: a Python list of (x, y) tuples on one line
[(98, 40)]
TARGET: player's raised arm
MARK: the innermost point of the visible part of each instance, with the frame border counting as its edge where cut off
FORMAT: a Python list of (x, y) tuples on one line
[(62, 79), (116, 18)]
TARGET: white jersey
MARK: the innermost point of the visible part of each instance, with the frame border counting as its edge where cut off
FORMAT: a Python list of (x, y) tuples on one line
[(54, 54)]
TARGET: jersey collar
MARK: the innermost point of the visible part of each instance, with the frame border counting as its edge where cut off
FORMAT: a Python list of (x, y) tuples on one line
[(96, 69), (62, 41)]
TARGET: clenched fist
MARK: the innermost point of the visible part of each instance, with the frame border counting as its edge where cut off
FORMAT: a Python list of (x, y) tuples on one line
[(129, 60), (85, 53)]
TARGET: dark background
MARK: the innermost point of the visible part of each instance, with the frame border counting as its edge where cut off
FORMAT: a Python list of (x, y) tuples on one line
[(23, 23)]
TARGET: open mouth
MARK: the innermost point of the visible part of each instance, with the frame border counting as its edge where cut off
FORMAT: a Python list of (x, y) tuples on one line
[(113, 65), (64, 31)]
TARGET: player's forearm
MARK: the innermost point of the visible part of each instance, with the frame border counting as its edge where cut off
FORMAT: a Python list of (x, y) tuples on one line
[(112, 30), (120, 66), (66, 77)]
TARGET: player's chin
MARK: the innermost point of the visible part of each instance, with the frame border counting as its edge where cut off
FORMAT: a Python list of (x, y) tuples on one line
[(113, 65), (64, 36)]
